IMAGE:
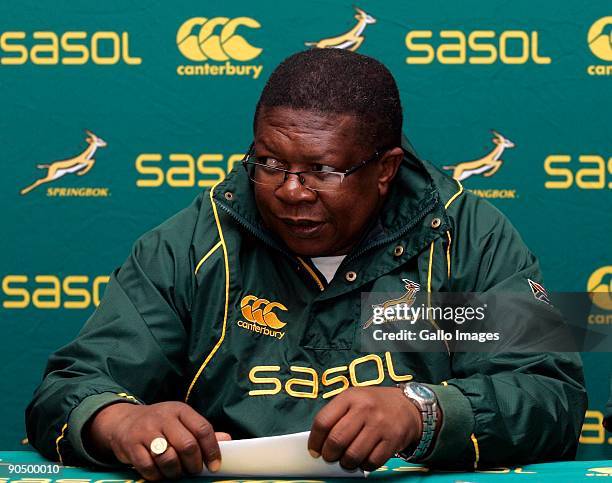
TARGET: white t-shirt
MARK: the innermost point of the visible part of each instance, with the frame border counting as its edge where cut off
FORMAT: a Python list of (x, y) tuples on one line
[(328, 266)]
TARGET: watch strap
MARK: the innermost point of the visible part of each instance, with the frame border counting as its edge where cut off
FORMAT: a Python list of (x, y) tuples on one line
[(429, 417)]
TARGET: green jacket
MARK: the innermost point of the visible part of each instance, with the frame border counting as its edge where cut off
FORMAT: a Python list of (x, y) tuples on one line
[(211, 309)]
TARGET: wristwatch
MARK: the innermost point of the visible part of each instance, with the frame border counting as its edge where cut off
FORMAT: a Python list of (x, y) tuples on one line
[(427, 403)]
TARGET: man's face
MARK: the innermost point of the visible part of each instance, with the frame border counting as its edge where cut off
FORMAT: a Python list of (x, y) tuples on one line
[(320, 223)]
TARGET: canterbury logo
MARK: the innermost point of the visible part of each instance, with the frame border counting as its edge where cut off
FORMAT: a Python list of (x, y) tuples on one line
[(600, 38), (197, 41), (350, 40), (600, 286), (487, 165), (79, 165), (259, 311)]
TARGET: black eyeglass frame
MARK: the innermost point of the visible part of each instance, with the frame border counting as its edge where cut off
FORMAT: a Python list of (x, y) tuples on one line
[(344, 174)]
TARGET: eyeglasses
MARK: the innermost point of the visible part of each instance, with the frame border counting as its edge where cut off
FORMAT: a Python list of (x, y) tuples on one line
[(269, 172)]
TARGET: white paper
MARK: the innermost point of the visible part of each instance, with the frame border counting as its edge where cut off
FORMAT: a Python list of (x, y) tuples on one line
[(283, 456)]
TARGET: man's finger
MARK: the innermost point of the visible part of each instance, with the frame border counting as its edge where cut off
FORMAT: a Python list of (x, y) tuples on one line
[(120, 453), (324, 421), (205, 435), (186, 446), (141, 459), (341, 436), (223, 436), (360, 448), (378, 457), (169, 463)]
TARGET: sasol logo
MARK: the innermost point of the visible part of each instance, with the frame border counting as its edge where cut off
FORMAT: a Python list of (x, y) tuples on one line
[(183, 170), (68, 48), (350, 40), (200, 39), (308, 382), (486, 166), (52, 292), (476, 47), (590, 172), (594, 432), (80, 165), (260, 317), (599, 38)]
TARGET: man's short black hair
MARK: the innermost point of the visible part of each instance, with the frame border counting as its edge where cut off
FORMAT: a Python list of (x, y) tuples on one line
[(338, 81)]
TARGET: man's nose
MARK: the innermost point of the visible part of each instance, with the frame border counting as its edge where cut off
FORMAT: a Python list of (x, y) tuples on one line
[(293, 191)]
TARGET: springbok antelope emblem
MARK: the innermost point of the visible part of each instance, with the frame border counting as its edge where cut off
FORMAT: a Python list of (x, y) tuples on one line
[(487, 165), (80, 164), (350, 40), (408, 298)]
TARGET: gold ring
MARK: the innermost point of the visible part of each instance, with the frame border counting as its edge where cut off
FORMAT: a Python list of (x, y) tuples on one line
[(158, 446)]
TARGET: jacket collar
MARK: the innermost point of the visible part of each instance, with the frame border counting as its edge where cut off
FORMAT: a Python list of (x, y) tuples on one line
[(412, 196)]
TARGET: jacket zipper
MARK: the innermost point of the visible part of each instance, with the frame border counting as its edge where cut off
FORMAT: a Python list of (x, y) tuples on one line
[(242, 222), (248, 227), (397, 235)]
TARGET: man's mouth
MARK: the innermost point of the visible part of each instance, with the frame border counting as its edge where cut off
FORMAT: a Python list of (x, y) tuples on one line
[(303, 227)]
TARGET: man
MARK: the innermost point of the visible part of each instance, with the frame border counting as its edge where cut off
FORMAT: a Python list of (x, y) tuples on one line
[(239, 316)]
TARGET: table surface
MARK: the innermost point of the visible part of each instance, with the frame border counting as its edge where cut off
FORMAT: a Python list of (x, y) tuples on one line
[(395, 469)]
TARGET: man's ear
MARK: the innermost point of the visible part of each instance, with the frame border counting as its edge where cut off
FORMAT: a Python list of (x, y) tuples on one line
[(387, 168)]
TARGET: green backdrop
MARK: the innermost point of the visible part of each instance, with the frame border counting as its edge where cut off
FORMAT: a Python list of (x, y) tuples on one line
[(538, 73)]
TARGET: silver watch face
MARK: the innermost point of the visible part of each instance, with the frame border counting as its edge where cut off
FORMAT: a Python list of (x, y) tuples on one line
[(422, 392)]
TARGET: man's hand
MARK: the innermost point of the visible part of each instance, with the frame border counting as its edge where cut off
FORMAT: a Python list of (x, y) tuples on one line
[(126, 430), (364, 427)]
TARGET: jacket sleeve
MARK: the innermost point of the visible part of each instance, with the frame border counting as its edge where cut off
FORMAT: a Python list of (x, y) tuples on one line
[(130, 350), (505, 408)]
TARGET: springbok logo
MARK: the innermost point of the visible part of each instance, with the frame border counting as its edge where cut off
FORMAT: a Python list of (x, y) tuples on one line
[(80, 164), (408, 298), (487, 165), (350, 40), (227, 45), (259, 311)]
